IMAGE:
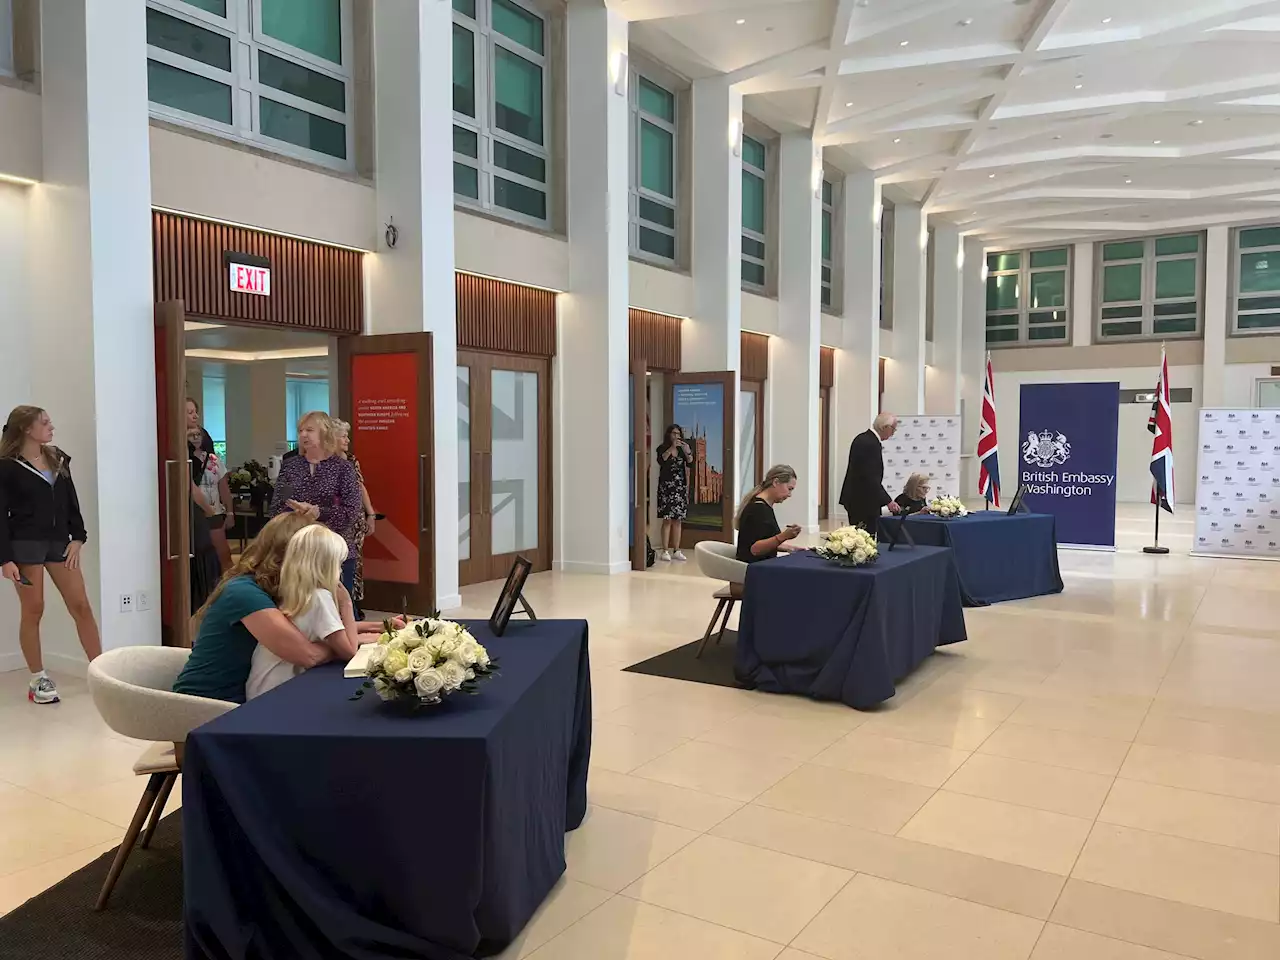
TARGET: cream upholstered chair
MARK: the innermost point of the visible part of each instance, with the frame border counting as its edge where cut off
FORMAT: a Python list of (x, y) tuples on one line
[(132, 689), (719, 561)]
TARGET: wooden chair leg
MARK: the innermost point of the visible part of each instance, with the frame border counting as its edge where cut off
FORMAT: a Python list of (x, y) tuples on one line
[(710, 627), (157, 811), (145, 805), (724, 624)]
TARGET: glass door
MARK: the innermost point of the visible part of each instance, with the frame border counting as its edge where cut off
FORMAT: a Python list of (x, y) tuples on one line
[(504, 439)]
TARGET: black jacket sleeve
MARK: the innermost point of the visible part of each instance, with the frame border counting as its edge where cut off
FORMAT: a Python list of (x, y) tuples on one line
[(75, 519), (6, 544)]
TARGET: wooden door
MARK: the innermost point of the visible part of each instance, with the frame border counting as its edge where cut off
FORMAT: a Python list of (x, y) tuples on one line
[(505, 504), (705, 405), (385, 393), (824, 453), (639, 463), (751, 461), (174, 468)]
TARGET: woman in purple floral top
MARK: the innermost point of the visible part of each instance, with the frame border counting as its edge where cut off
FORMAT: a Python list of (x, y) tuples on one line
[(321, 484)]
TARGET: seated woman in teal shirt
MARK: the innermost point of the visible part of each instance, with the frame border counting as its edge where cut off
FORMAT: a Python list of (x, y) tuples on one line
[(240, 614)]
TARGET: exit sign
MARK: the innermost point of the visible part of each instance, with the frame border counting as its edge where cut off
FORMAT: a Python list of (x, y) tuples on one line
[(248, 278)]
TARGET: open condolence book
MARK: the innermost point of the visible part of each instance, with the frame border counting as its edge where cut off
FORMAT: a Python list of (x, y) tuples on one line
[(357, 665)]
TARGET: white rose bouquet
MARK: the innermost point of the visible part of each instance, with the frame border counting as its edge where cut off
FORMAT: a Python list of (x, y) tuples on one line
[(848, 546), (425, 661), (947, 508)]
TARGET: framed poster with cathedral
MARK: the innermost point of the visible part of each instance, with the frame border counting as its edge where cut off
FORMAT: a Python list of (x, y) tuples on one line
[(704, 405)]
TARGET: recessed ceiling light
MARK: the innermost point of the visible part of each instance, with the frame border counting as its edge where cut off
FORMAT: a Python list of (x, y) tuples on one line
[(991, 176), (967, 21), (849, 104), (1106, 19), (1058, 137), (1196, 123), (1079, 86), (1157, 142), (1128, 180), (903, 43), (740, 21), (897, 139), (862, 3), (1107, 136)]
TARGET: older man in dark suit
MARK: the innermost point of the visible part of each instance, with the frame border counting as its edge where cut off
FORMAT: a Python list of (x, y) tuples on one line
[(863, 494)]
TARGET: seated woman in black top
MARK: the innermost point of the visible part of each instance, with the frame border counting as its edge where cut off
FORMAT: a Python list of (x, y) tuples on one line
[(759, 537), (914, 497)]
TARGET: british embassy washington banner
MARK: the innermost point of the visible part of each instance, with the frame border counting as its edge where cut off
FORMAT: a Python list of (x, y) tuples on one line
[(1238, 488), (1067, 439)]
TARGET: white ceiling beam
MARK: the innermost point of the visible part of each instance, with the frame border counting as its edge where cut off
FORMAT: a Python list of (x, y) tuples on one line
[(840, 20), (862, 27), (636, 11), (981, 55), (800, 60), (943, 123)]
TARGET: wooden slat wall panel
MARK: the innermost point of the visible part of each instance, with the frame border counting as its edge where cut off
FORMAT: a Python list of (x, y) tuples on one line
[(755, 356), (505, 317), (826, 366), (655, 339), (313, 286)]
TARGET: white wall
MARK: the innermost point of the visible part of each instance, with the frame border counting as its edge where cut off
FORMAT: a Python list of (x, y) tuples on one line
[(492, 248), (20, 147), (1240, 385), (759, 314), (1133, 460), (661, 290)]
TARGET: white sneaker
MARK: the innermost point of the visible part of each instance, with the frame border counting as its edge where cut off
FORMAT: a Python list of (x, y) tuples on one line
[(664, 555), (679, 556), (42, 690)]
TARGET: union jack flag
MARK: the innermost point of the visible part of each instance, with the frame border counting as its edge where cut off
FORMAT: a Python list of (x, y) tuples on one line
[(988, 449), (1162, 446)]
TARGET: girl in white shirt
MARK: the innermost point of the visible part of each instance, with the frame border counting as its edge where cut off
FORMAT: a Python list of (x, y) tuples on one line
[(312, 596)]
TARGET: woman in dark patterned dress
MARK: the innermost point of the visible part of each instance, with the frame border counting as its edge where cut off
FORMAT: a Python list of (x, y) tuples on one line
[(674, 459), (365, 525)]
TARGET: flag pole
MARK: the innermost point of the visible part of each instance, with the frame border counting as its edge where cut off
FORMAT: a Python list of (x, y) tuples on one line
[(1156, 548), (1156, 495)]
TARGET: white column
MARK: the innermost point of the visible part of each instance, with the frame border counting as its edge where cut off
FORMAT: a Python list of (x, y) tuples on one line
[(1081, 294), (973, 352), (856, 392), (269, 409), (904, 373), (411, 287), (946, 265), (794, 352), (710, 338), (240, 415), (591, 362), (1217, 273), (92, 341)]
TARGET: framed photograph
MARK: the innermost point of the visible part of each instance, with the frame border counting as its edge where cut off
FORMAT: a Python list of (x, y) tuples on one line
[(1016, 505), (510, 596)]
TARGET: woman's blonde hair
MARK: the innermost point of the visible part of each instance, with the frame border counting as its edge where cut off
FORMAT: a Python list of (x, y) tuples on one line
[(781, 473), (326, 428), (262, 559), (15, 432), (915, 485), (312, 561)]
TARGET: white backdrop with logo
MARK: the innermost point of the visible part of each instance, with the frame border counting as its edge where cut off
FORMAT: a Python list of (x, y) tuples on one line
[(929, 445), (1238, 484)]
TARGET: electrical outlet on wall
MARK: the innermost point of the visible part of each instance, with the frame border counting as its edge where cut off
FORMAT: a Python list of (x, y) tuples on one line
[(144, 601), (126, 603)]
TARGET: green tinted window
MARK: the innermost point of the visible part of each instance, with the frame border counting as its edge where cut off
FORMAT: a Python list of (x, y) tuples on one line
[(517, 95), (1002, 293), (521, 199), (518, 161), (466, 181), (1261, 237), (657, 159), (656, 213), (301, 82), (659, 244), (217, 7), (1166, 246), (752, 273), (826, 234), (519, 24), (1175, 278), (292, 125), (311, 25), (752, 202), (466, 142), (187, 40), (1003, 261), (1049, 258), (188, 92), (1129, 250), (656, 101), (464, 71), (1048, 289), (1122, 283), (753, 153), (465, 7), (1259, 272), (828, 191)]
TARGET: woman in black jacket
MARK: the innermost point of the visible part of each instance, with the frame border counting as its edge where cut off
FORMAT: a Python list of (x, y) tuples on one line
[(41, 529)]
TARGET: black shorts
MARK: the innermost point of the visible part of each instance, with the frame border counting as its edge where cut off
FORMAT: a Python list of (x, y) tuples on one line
[(30, 553)]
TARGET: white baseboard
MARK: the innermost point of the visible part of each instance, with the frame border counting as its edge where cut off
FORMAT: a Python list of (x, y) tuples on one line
[(11, 661), (451, 602), (595, 569), (58, 663)]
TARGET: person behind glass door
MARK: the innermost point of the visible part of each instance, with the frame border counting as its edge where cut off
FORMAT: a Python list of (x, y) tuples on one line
[(206, 567), (759, 537), (914, 497), (211, 489), (41, 529), (320, 484), (367, 523), (193, 423), (674, 460)]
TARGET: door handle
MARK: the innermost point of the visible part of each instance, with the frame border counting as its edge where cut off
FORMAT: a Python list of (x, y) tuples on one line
[(168, 514), (422, 493), (638, 481)]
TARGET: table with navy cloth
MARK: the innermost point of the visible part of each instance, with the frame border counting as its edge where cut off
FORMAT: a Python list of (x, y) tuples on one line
[(318, 826), (809, 626), (998, 556)]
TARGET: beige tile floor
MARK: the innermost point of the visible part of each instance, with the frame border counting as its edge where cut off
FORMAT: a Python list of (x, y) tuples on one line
[(1093, 776)]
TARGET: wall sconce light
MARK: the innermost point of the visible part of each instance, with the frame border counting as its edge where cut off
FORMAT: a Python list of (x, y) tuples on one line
[(735, 136), (877, 213), (817, 174), (960, 258), (620, 73)]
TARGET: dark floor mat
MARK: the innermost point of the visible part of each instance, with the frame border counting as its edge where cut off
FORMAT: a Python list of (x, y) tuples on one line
[(714, 667), (143, 919)]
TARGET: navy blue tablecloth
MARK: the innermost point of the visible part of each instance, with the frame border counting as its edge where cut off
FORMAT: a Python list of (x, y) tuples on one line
[(998, 557), (316, 826), (836, 633)]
